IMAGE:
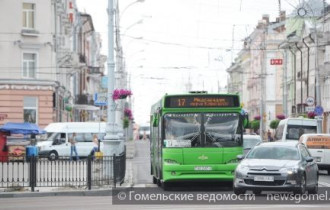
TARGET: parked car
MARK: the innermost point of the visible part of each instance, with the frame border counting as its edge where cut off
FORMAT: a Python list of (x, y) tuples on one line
[(277, 166), (249, 141), (319, 147)]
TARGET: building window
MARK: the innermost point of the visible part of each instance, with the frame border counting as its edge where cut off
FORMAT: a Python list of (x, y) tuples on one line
[(30, 109), (29, 65), (28, 15)]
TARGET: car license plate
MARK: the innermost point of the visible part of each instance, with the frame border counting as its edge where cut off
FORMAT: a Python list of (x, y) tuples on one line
[(203, 168), (318, 159), (264, 178)]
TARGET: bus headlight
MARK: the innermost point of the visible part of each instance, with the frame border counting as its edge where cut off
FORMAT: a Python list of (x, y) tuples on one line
[(171, 162)]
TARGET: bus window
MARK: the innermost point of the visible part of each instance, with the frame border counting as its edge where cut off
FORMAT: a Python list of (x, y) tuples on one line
[(182, 130), (222, 130)]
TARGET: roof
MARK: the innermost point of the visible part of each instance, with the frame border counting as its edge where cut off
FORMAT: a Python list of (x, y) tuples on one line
[(280, 143), (81, 127), (21, 128)]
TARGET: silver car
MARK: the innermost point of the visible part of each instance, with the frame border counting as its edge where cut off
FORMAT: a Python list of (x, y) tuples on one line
[(277, 166), (249, 141)]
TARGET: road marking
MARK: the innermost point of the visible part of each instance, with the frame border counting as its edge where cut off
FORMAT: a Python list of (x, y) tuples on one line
[(324, 184)]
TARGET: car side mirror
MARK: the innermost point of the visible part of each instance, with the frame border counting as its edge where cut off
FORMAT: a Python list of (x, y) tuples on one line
[(309, 159), (240, 157)]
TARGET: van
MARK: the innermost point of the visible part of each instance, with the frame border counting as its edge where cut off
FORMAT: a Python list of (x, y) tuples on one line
[(319, 147), (56, 143), (292, 128)]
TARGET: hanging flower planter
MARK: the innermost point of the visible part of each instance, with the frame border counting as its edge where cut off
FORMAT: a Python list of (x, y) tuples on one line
[(128, 113), (121, 94)]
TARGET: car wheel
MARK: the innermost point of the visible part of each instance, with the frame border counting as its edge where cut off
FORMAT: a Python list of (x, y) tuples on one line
[(239, 191), (314, 190), (302, 188), (52, 155), (256, 192)]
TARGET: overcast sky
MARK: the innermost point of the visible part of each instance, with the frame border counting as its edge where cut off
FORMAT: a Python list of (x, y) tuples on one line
[(168, 43)]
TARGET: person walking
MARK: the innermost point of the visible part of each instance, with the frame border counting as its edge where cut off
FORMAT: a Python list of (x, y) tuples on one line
[(73, 143), (269, 135), (95, 145)]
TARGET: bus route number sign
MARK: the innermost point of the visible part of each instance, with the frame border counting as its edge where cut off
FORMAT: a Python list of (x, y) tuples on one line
[(201, 101)]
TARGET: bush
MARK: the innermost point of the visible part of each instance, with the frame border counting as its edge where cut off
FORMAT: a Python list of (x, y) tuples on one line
[(255, 124), (273, 124)]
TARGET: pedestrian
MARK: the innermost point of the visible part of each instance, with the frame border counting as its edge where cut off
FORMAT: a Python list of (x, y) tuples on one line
[(95, 145), (73, 146), (269, 135)]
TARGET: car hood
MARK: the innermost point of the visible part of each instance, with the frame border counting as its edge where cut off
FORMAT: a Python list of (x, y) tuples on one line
[(269, 164)]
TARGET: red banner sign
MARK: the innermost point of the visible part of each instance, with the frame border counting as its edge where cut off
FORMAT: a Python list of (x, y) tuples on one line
[(276, 61)]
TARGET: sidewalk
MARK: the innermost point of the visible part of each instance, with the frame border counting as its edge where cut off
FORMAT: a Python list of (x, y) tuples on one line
[(70, 191)]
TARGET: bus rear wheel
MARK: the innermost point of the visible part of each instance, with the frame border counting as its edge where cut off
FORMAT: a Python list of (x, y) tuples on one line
[(165, 186)]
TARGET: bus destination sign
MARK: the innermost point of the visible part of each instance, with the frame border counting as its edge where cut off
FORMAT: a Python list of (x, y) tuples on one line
[(208, 101)]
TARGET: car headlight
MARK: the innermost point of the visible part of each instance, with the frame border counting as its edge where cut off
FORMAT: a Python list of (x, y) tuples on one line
[(241, 169), (289, 170)]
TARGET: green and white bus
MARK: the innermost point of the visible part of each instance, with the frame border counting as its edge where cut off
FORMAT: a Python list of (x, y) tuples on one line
[(195, 137)]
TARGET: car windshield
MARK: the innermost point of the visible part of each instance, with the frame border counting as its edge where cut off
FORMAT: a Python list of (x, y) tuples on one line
[(249, 143), (274, 152), (202, 130), (295, 131)]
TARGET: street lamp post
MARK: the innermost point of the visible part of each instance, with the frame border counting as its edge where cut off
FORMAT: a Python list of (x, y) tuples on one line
[(113, 145)]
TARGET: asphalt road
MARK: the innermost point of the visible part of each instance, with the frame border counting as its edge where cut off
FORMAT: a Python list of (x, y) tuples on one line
[(141, 178)]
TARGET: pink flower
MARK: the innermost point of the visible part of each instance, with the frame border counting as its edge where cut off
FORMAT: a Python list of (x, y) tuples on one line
[(121, 93)]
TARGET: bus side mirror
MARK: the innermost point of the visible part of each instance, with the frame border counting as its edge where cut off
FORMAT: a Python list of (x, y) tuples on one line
[(155, 121), (246, 123)]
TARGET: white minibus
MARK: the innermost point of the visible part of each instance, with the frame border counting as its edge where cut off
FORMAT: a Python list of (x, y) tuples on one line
[(58, 134), (292, 128)]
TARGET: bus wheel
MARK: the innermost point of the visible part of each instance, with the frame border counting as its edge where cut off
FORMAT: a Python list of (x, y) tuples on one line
[(165, 186), (158, 182), (154, 180)]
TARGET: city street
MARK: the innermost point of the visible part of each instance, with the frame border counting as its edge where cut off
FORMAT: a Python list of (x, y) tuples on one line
[(141, 178)]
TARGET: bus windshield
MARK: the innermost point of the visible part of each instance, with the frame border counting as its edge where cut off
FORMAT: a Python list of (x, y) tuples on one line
[(202, 130)]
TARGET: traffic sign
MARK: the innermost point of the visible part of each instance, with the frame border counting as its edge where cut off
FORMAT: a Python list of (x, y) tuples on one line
[(318, 110), (310, 101), (100, 99), (309, 108), (276, 61)]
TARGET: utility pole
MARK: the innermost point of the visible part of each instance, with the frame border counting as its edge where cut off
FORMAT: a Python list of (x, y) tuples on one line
[(317, 85), (262, 85)]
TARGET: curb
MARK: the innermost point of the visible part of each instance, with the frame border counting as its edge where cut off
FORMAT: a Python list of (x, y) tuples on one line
[(59, 193)]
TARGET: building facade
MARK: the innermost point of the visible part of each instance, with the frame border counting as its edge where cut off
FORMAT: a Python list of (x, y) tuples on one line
[(48, 59)]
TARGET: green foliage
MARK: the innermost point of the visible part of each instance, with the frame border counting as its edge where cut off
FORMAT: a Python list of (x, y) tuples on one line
[(255, 124), (125, 122), (273, 124)]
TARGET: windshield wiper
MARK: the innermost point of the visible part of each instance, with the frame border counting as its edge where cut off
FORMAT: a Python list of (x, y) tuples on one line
[(190, 135)]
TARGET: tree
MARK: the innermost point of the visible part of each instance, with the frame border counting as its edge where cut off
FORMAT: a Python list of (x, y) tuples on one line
[(273, 124), (255, 124)]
